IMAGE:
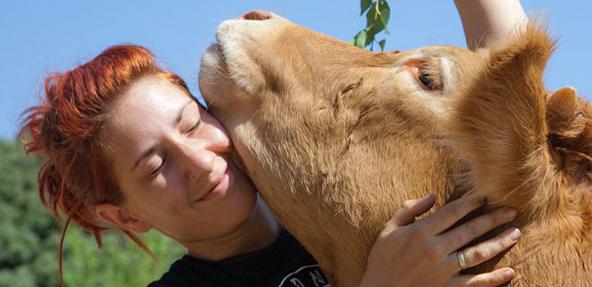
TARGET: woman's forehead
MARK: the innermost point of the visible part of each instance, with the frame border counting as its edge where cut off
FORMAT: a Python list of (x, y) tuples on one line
[(145, 112), (149, 97)]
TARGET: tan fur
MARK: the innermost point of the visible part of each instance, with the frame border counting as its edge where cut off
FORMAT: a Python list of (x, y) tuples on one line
[(335, 138)]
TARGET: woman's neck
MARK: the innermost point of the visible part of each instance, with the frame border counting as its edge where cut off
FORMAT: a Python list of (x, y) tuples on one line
[(257, 232)]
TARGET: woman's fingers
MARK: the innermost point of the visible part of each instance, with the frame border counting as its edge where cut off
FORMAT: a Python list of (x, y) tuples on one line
[(465, 233), (491, 279), (404, 247), (484, 251), (451, 213), (411, 209)]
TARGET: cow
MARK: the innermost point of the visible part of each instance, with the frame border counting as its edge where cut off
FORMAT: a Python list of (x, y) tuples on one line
[(336, 137)]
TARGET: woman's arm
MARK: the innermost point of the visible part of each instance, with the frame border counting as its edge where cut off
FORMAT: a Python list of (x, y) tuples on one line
[(426, 253), (489, 23)]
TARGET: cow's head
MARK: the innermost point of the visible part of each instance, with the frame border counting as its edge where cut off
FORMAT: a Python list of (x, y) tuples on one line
[(261, 55), (325, 124)]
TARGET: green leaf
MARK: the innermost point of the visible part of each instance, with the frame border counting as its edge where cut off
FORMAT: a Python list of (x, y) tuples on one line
[(360, 39), (373, 21), (354, 40), (370, 35), (377, 17), (384, 13), (371, 17), (381, 44), (364, 5)]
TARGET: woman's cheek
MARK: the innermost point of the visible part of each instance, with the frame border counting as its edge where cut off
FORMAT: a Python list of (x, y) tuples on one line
[(171, 181)]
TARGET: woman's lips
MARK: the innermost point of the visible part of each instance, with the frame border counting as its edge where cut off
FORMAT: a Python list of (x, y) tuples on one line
[(219, 189)]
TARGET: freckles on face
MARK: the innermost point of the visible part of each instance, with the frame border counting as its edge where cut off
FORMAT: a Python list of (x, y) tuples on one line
[(142, 117), (167, 153)]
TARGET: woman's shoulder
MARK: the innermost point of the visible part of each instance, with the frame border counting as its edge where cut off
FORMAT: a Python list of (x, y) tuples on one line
[(284, 261), (175, 276)]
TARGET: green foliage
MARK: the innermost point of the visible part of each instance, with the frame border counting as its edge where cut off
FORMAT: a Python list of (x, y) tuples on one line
[(27, 234), (378, 14), (119, 263), (29, 239)]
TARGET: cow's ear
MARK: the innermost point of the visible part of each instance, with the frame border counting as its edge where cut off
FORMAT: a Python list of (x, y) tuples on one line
[(570, 134), (564, 114), (500, 124)]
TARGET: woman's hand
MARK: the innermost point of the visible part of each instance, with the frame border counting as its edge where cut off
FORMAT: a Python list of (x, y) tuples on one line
[(422, 254)]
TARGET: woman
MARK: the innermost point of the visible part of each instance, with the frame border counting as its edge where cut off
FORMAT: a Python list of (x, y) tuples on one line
[(128, 147)]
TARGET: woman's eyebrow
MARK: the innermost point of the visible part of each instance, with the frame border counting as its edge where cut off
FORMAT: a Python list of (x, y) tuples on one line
[(152, 148)]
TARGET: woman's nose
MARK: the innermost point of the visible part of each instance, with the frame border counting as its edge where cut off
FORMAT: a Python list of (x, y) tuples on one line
[(196, 159)]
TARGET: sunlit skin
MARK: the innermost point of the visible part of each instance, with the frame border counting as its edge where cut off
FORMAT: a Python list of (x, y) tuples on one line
[(171, 161)]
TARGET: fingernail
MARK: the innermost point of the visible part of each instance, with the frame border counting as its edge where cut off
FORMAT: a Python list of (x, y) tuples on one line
[(515, 234), (508, 274), (510, 213)]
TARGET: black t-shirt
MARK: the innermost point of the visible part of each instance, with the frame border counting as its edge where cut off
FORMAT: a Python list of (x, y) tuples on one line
[(285, 263)]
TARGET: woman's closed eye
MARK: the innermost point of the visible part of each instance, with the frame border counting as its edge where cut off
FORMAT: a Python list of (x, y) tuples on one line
[(155, 171), (190, 119), (193, 127)]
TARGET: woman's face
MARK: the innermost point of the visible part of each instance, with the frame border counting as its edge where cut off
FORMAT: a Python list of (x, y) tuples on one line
[(171, 160)]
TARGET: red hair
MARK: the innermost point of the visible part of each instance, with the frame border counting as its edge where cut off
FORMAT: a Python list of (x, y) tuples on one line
[(65, 130)]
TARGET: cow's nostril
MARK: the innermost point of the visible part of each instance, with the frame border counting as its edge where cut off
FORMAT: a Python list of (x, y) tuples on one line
[(256, 15)]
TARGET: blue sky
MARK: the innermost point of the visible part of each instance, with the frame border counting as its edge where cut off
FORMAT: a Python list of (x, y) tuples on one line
[(39, 37)]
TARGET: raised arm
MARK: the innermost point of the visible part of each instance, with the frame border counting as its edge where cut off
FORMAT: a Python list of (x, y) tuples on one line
[(489, 23)]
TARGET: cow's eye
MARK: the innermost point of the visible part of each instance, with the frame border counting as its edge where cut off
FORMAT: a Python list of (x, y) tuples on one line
[(429, 79), (426, 72), (425, 79)]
